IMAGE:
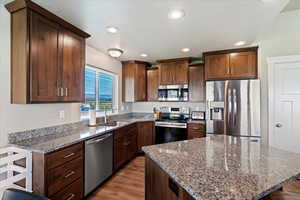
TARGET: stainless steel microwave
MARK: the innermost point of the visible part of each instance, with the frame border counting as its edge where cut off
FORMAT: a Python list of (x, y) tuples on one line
[(173, 92)]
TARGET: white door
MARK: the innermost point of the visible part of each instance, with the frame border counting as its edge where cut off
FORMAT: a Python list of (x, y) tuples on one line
[(284, 103)]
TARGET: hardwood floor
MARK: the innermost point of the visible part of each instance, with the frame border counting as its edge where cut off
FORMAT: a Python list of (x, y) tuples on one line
[(127, 184)]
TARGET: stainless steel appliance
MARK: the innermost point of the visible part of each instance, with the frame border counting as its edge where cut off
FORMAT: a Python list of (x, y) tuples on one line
[(198, 115), (98, 161), (233, 107), (173, 93), (172, 124)]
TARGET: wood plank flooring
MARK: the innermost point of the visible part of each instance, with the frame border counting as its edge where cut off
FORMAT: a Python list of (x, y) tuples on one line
[(128, 184)]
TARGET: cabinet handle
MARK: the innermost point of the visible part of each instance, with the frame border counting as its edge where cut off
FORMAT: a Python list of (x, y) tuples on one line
[(69, 174), (69, 155), (61, 92), (67, 93), (71, 196)]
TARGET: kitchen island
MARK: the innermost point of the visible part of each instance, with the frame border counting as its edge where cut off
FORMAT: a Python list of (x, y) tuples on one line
[(217, 167)]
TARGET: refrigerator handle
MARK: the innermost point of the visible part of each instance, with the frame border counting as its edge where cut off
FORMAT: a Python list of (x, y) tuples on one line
[(234, 106), (229, 114)]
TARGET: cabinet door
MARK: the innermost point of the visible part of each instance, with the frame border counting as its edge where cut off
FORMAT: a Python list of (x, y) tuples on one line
[(180, 71), (166, 74), (44, 59), (217, 67), (196, 130), (140, 82), (152, 84), (120, 152), (145, 134), (73, 63), (196, 83), (132, 145), (243, 65)]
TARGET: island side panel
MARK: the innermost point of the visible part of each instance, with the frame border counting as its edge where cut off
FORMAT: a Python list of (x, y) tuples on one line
[(159, 186)]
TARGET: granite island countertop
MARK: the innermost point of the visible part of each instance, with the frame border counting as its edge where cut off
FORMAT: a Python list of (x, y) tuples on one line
[(61, 139), (225, 167)]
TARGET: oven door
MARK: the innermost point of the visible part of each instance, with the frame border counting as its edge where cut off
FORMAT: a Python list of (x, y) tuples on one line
[(170, 133)]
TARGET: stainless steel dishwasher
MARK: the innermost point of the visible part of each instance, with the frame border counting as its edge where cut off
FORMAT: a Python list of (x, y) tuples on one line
[(98, 161)]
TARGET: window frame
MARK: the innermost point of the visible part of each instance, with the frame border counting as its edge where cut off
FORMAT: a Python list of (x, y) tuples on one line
[(115, 89)]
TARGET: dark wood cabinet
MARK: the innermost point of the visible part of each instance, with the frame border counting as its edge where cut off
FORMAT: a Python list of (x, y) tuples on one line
[(134, 81), (196, 130), (160, 186), (243, 65), (145, 134), (57, 174), (152, 84), (125, 145), (73, 63), (47, 56), (231, 64), (196, 83), (173, 71), (217, 67)]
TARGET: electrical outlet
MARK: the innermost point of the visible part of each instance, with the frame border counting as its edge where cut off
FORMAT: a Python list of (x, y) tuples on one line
[(62, 114)]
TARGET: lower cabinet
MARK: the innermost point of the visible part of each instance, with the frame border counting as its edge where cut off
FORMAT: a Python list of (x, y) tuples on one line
[(59, 175), (145, 134), (196, 130), (160, 186), (125, 145)]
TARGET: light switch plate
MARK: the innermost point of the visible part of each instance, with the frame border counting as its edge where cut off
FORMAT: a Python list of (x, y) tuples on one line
[(62, 114)]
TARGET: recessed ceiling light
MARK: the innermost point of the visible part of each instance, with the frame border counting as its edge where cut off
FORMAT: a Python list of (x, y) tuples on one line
[(185, 50), (240, 43), (112, 29), (176, 14), (144, 55)]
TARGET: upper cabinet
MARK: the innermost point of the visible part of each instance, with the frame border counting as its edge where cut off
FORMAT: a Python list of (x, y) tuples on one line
[(231, 64), (134, 81), (173, 71), (196, 83), (47, 56), (152, 84)]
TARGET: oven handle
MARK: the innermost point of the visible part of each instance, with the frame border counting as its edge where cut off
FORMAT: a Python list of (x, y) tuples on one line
[(170, 125)]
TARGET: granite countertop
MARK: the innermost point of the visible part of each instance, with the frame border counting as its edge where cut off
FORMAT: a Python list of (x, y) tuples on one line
[(225, 167), (52, 142)]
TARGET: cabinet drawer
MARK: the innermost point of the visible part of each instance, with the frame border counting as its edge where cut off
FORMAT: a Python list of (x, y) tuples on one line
[(71, 192), (60, 157), (63, 175), (124, 131), (196, 127)]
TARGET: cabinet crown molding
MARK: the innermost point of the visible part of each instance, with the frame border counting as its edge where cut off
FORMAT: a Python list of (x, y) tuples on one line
[(184, 59), (238, 50), (28, 4)]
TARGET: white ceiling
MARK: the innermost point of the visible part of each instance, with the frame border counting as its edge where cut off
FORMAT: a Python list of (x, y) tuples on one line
[(145, 27), (293, 5)]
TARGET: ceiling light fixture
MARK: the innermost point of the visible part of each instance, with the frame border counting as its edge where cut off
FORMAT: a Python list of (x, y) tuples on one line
[(240, 43), (115, 52), (144, 55), (112, 29), (185, 50), (176, 14)]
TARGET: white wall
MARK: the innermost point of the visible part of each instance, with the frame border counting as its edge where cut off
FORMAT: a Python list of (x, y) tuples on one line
[(282, 39), (24, 117)]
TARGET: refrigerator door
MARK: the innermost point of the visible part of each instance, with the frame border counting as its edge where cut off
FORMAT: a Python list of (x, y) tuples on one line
[(215, 108), (243, 108), (233, 107)]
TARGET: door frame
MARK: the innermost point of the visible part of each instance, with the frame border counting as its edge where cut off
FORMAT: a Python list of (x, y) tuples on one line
[(272, 61)]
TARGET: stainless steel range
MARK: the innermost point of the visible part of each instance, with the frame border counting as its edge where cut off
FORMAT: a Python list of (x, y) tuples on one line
[(172, 124)]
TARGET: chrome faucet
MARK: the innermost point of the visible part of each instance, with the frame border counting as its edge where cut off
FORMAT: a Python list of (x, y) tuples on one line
[(105, 116)]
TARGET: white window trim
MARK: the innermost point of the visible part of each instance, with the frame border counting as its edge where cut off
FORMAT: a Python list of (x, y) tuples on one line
[(115, 110)]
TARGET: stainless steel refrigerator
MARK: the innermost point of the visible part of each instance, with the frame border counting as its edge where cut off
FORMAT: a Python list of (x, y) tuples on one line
[(233, 107)]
